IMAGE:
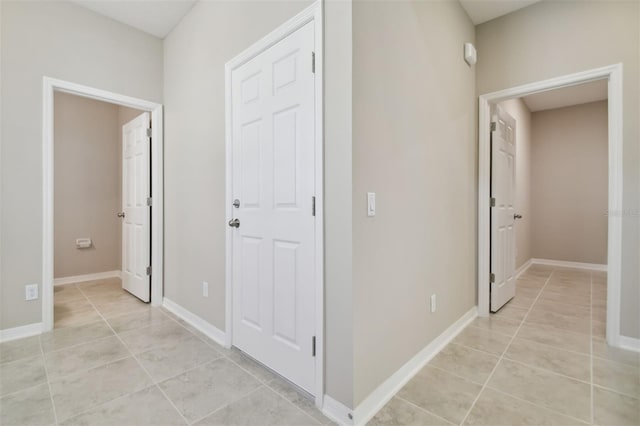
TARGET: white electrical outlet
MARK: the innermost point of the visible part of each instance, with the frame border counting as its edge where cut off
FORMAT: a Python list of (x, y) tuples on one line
[(433, 303), (205, 289), (31, 292)]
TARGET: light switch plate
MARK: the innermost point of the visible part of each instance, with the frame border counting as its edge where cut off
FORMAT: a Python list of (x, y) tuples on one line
[(31, 292), (371, 204), (205, 289), (433, 303)]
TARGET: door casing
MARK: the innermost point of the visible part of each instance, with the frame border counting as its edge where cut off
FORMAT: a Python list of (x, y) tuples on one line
[(49, 86), (613, 74), (312, 13)]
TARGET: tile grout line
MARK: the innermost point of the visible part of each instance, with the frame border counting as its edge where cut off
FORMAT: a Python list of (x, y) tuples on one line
[(506, 349), (423, 409), (210, 413), (46, 373)]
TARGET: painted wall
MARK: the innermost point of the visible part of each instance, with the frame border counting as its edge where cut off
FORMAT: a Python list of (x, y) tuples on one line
[(519, 111), (414, 145), (65, 41), (517, 49), (569, 204)]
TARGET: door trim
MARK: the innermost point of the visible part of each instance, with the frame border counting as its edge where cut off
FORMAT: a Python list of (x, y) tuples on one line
[(613, 74), (313, 13), (49, 86)]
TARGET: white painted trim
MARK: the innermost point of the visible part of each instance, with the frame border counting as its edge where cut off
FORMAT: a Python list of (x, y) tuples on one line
[(49, 86), (630, 343), (312, 13), (206, 328), (568, 264), (337, 411), (21, 332), (383, 393), (523, 268), (612, 73), (86, 277)]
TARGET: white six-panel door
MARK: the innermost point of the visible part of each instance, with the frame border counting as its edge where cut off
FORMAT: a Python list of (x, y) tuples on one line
[(273, 180), (503, 255), (136, 221)]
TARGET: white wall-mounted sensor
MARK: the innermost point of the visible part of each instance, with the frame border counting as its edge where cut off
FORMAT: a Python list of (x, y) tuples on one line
[(82, 243), (470, 54)]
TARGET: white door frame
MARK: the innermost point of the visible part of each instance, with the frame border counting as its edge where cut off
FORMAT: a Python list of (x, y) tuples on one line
[(311, 13), (612, 73), (49, 86)]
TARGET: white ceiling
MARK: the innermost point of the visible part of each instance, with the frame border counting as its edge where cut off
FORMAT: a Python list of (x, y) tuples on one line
[(485, 10), (567, 96), (155, 17)]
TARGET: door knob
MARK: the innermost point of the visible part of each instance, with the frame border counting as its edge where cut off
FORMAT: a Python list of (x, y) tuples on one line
[(121, 214), (234, 223), (517, 216)]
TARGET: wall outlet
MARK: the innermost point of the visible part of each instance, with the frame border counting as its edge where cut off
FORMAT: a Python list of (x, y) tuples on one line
[(205, 289), (433, 303), (31, 292)]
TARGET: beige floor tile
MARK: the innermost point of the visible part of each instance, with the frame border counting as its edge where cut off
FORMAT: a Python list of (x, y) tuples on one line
[(483, 339), (85, 356), (176, 357), (510, 312), (398, 412), (572, 299), (582, 312), (598, 329), (19, 349), (127, 306), (495, 408), (441, 393), (207, 388), (602, 350), (619, 377), (544, 388), (98, 286), (156, 335), (531, 293), (613, 409), (469, 363), (251, 366), (145, 407), (295, 396), (262, 407), (548, 357), (79, 392), (520, 301), (555, 337), (128, 322), (529, 284), (67, 292), (22, 374), (68, 336), (29, 407), (73, 313), (498, 325), (559, 321), (599, 314)]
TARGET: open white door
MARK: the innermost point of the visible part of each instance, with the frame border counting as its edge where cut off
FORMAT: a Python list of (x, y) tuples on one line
[(503, 247), (273, 244), (136, 213)]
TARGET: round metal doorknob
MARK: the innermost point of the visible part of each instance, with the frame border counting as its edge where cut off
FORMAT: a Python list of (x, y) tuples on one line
[(517, 216), (121, 214), (234, 223)]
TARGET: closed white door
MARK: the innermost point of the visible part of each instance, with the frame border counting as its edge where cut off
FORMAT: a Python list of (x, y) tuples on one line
[(273, 182), (136, 247), (503, 236)]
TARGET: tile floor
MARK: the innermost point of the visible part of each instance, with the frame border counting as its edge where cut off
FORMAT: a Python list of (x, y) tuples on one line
[(113, 360), (541, 360)]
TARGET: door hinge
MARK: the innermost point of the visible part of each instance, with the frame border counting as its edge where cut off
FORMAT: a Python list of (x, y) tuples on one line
[(493, 126), (148, 270), (149, 201), (492, 278), (149, 132), (313, 62), (313, 206), (492, 202), (313, 346)]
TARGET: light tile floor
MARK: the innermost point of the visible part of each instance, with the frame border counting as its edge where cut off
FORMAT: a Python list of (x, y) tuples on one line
[(542, 359), (113, 360)]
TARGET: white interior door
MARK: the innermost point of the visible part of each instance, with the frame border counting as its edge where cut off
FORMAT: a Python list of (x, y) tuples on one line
[(503, 247), (136, 247), (272, 98)]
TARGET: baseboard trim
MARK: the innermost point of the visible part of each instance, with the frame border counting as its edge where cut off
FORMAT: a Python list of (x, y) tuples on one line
[(87, 277), (568, 264), (523, 267), (23, 331), (629, 343), (195, 321), (336, 411), (383, 393)]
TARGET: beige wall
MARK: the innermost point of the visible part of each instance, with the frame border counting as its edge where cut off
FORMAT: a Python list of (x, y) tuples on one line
[(414, 145), (549, 39), (62, 40), (569, 204), (519, 111)]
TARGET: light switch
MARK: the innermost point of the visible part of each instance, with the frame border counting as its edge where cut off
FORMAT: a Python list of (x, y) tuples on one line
[(371, 203)]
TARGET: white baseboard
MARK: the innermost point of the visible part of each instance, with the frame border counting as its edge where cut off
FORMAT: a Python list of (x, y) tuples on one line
[(629, 343), (28, 330), (87, 277), (567, 264), (383, 393), (336, 411), (523, 267), (195, 321)]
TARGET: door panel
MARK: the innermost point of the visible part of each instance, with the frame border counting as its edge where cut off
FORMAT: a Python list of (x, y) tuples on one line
[(273, 170)]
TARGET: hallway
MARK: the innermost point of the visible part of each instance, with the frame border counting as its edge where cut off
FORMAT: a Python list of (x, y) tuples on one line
[(542, 359)]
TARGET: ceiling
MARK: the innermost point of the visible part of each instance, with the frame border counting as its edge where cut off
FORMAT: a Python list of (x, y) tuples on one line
[(485, 10), (155, 17), (567, 96)]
